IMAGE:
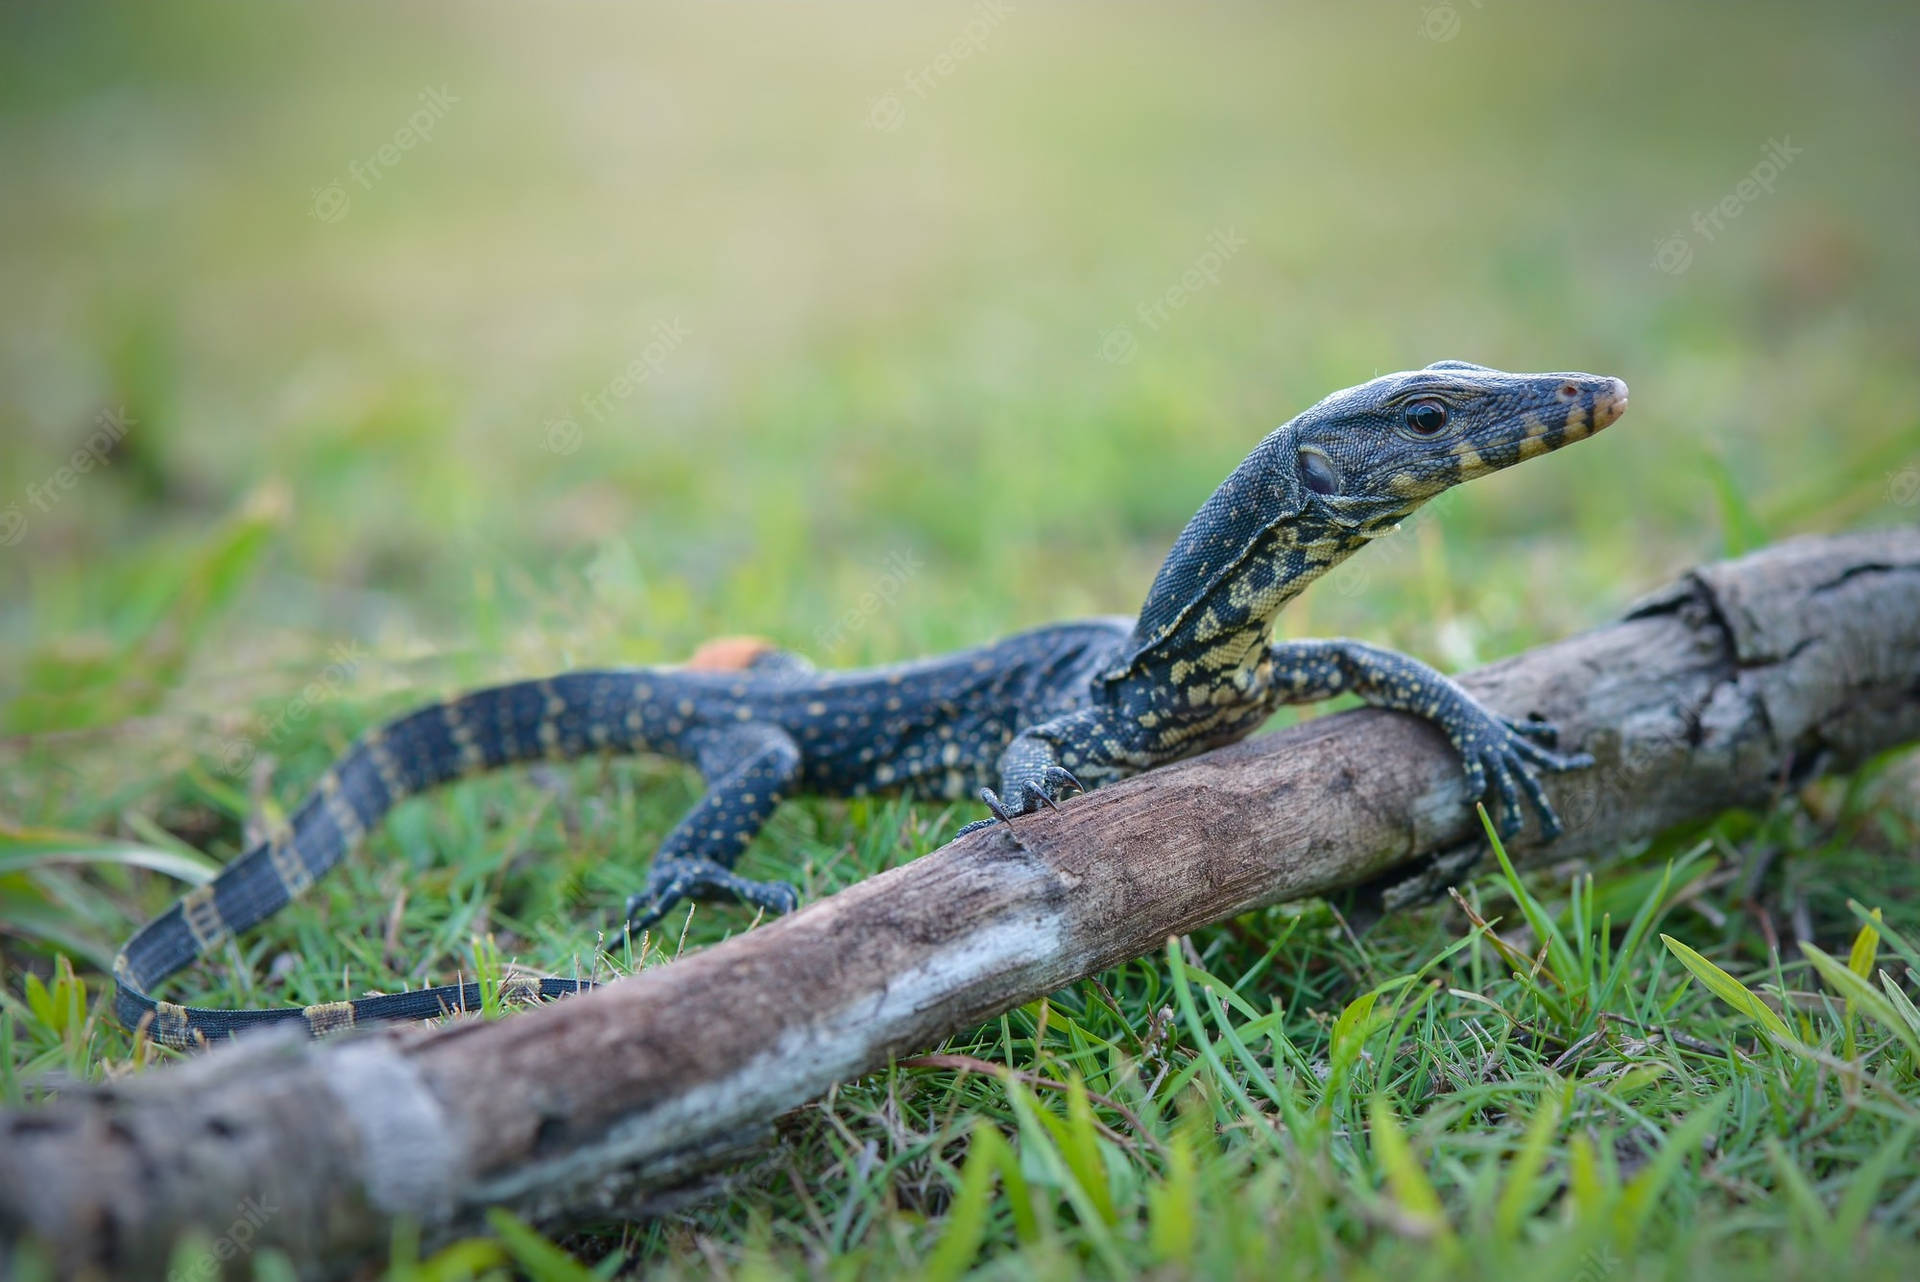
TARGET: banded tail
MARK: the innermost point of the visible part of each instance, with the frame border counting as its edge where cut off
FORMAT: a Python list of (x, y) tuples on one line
[(560, 718)]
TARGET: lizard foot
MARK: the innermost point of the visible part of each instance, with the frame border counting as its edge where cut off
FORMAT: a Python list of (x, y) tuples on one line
[(1506, 757), (679, 879), (1033, 794)]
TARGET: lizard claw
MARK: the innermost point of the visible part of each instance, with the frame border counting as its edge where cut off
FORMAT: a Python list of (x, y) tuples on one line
[(1503, 760), (1059, 776), (991, 800), (1033, 794)]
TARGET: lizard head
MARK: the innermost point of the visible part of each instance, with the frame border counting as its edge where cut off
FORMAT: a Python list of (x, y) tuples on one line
[(1322, 486), (1368, 456)]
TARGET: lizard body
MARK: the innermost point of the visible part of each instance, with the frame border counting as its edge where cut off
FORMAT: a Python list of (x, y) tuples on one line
[(1073, 705)]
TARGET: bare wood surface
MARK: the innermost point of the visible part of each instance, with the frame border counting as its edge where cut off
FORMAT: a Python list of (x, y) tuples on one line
[(1743, 678)]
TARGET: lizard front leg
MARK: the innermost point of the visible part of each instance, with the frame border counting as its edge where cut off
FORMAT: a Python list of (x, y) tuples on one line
[(1034, 767), (1498, 753)]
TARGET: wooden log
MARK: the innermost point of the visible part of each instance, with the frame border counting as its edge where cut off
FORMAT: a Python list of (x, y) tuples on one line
[(1742, 678)]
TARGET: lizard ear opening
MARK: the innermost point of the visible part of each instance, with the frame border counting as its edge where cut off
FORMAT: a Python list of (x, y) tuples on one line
[(1318, 473)]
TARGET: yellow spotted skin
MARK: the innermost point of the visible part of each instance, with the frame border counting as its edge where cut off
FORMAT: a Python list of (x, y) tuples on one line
[(1018, 722)]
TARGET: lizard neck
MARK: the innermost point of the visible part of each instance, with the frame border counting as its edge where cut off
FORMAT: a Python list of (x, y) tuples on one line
[(1254, 545), (1215, 650)]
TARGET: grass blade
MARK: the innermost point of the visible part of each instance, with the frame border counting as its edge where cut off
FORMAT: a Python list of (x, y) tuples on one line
[(1413, 1193), (1728, 989), (1518, 1194), (966, 1220), (1859, 992)]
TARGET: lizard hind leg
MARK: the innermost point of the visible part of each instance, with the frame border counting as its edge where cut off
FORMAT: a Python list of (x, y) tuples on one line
[(749, 768)]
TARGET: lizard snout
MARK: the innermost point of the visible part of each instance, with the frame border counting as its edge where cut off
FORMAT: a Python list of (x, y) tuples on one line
[(1591, 404), (1610, 403)]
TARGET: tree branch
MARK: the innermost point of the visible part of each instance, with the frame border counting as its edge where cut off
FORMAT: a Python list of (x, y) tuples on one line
[(1741, 679)]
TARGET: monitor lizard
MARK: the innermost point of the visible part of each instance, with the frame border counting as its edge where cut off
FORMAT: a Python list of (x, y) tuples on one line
[(1017, 723)]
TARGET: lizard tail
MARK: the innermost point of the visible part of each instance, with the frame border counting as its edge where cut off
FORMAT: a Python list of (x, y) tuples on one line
[(560, 718)]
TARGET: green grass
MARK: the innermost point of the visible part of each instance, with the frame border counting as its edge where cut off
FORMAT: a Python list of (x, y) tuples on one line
[(886, 372)]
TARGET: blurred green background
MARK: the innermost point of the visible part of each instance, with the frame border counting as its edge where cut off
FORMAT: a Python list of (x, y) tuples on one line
[(883, 295), (413, 346)]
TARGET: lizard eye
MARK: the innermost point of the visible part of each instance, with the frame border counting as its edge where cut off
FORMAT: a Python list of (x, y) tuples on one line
[(1426, 418), (1318, 473)]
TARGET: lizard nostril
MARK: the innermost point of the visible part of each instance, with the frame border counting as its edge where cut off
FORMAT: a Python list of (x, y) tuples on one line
[(1569, 391)]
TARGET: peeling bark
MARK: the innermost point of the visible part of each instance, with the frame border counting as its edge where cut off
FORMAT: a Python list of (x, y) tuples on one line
[(1741, 679)]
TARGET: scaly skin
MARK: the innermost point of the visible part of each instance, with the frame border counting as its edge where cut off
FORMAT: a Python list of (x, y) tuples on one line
[(1074, 705)]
